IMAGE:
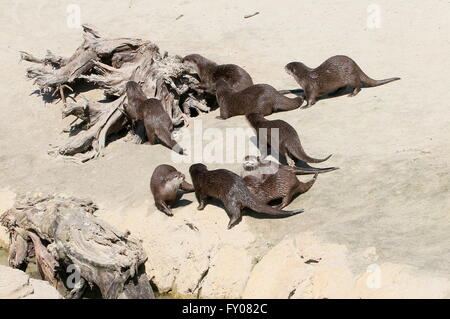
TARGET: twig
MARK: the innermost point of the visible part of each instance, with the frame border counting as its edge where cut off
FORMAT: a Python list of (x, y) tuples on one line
[(251, 15), (180, 16)]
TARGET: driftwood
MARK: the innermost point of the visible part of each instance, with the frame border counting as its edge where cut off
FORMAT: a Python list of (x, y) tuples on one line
[(251, 15), (62, 233), (108, 64)]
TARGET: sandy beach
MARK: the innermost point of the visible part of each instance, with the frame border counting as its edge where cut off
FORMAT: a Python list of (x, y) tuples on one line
[(386, 208)]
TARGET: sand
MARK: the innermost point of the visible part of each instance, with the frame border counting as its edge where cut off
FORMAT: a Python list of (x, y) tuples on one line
[(392, 143)]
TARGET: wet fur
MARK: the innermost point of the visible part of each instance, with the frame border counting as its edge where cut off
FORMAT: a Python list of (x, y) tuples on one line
[(165, 183), (157, 123), (336, 73), (269, 181), (260, 98), (231, 190), (289, 141), (282, 185), (210, 72)]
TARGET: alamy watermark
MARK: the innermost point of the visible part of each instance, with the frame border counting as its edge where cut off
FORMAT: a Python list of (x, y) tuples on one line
[(373, 280), (229, 145), (74, 278), (374, 16), (73, 20)]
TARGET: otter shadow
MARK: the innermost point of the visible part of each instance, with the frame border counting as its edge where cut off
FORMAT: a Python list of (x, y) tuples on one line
[(215, 202), (47, 97), (249, 212), (77, 86), (296, 92), (81, 126), (246, 212), (182, 202), (336, 93)]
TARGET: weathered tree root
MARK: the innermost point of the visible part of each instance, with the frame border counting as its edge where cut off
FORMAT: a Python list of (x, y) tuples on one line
[(64, 232), (109, 64)]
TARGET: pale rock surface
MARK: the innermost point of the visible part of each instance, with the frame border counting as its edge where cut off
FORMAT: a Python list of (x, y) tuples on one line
[(300, 267), (228, 272), (42, 290), (331, 276), (192, 251), (6, 201), (390, 280), (278, 273), (16, 284)]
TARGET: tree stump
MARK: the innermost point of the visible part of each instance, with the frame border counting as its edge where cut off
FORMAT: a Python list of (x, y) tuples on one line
[(109, 64), (65, 237)]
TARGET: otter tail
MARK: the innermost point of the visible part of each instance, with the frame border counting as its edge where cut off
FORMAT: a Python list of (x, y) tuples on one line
[(371, 82), (287, 104), (304, 187), (296, 150), (165, 137), (310, 170), (259, 207), (294, 91)]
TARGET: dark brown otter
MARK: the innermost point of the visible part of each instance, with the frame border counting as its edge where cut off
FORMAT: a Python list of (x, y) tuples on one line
[(210, 72), (230, 189), (288, 140), (260, 98), (337, 72), (271, 182), (157, 122), (164, 185)]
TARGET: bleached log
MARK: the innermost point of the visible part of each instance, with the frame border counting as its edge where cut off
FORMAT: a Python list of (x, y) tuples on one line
[(109, 64), (64, 232)]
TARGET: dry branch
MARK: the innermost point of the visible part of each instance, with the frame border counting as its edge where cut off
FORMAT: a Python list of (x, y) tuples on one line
[(109, 64), (64, 231)]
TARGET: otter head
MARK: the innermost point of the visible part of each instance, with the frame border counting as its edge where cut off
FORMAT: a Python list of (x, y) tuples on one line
[(251, 162), (197, 168), (298, 70), (134, 90), (193, 61), (290, 67), (132, 86), (174, 179)]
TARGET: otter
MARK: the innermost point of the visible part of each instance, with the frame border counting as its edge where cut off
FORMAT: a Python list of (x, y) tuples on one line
[(336, 73), (231, 190), (289, 144), (267, 185), (209, 73), (259, 98), (164, 185), (157, 122)]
